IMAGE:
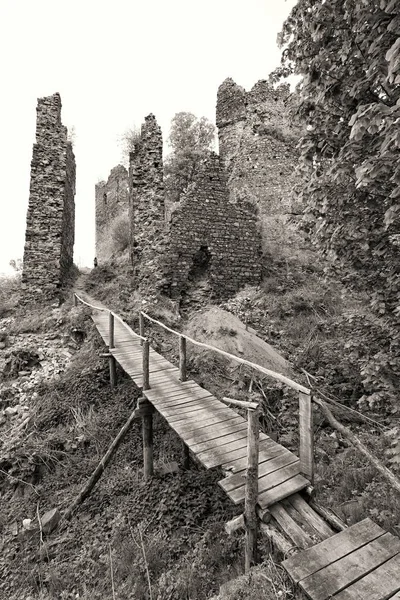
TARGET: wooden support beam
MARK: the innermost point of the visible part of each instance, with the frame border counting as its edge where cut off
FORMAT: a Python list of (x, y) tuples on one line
[(148, 466), (75, 300), (111, 330), (146, 365), (182, 358), (141, 326), (251, 493), (306, 453), (330, 517), (186, 457), (113, 371)]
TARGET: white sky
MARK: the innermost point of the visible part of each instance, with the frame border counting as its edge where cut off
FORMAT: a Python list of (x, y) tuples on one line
[(114, 62)]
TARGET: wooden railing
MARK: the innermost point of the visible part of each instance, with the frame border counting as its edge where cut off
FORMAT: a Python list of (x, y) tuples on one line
[(306, 445)]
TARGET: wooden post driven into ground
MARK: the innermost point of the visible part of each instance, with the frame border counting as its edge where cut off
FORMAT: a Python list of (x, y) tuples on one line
[(306, 436), (111, 330), (182, 358), (141, 326), (75, 300), (251, 494), (147, 419), (113, 371)]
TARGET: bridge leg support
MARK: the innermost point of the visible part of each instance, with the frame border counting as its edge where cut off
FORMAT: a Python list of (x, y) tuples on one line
[(186, 457), (147, 424), (113, 372), (251, 492)]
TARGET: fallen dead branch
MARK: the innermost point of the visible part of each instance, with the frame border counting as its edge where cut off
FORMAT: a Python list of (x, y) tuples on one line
[(389, 476)]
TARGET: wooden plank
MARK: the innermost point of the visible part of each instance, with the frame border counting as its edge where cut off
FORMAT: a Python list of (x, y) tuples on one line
[(185, 402), (306, 436), (290, 527), (199, 413), (218, 458), (268, 482), (160, 395), (183, 396), (311, 517), (239, 465), (223, 414), (265, 468), (214, 431), (162, 390), (396, 596), (343, 543), (285, 489), (221, 440), (190, 407), (194, 425), (339, 575), (218, 451)]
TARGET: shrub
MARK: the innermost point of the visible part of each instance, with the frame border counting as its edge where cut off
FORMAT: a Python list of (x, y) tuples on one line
[(120, 233)]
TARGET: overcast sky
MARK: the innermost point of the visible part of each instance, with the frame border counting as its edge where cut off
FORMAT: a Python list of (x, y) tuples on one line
[(114, 62)]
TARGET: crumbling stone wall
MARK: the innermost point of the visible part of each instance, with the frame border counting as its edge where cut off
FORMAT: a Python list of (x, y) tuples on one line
[(257, 146), (50, 224), (146, 196), (208, 227), (112, 204)]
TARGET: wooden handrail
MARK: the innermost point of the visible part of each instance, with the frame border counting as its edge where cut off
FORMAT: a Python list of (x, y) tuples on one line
[(292, 384), (101, 308)]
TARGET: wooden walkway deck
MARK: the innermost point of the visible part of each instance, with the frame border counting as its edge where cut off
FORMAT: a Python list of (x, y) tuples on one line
[(213, 432), (361, 562)]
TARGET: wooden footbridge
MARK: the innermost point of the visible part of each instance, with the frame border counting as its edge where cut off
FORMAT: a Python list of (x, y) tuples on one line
[(326, 558)]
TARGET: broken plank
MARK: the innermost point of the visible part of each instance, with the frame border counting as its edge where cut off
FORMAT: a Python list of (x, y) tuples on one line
[(342, 573), (285, 489), (343, 543), (290, 527), (265, 468)]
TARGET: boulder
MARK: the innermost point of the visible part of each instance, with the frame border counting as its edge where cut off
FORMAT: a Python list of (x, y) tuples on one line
[(50, 520)]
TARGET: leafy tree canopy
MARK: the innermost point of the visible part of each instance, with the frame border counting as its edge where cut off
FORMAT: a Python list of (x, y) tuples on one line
[(348, 54), (191, 139)]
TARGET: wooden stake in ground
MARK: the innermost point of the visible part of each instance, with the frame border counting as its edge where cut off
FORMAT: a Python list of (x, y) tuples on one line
[(86, 490), (251, 494), (389, 476)]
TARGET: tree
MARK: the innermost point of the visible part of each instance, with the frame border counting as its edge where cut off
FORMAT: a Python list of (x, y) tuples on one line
[(348, 54), (127, 143), (191, 139)]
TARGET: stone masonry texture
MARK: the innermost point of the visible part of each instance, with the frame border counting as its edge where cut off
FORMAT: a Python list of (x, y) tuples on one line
[(257, 147), (146, 195), (111, 202), (208, 220), (50, 224)]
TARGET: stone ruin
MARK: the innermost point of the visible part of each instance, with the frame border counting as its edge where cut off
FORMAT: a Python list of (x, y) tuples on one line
[(111, 206), (50, 228), (257, 147), (146, 194), (211, 236), (214, 232)]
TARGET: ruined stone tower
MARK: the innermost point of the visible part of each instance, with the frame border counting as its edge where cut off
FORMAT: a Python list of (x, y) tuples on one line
[(50, 226), (257, 146), (146, 194), (210, 235), (112, 203)]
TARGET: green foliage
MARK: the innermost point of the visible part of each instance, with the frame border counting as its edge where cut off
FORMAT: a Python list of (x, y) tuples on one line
[(10, 292), (348, 53), (120, 233), (191, 140)]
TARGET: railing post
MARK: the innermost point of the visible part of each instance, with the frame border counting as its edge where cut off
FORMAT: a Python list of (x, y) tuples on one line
[(75, 300), (251, 492), (306, 436), (113, 372), (141, 326), (111, 330), (182, 358), (146, 365)]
